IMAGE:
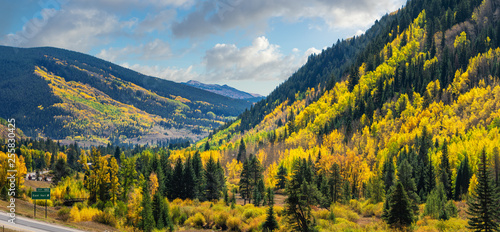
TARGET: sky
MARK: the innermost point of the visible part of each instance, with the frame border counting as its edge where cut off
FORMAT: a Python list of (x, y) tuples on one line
[(252, 45)]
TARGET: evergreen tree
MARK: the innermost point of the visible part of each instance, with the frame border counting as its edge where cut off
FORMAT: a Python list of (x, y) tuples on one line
[(198, 172), (281, 176), (158, 208), (463, 178), (212, 185), (496, 166), (335, 183), (436, 201), (128, 176), (482, 205), (376, 189), (177, 181), (388, 172), (445, 171), (297, 208), (405, 178), (147, 222), (400, 213), (245, 182), (189, 180), (270, 224), (241, 151)]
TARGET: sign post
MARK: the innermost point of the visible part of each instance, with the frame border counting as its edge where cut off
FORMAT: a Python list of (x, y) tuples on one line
[(41, 194)]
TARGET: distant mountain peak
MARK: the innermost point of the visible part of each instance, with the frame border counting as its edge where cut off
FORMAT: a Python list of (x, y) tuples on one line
[(225, 90)]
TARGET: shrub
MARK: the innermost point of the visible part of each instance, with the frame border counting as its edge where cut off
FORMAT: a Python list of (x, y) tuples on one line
[(105, 218), (198, 221), (80, 205), (86, 214), (221, 220), (233, 223), (120, 209), (63, 214), (75, 214)]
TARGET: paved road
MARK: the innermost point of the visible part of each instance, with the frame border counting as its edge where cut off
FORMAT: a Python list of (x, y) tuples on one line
[(26, 224)]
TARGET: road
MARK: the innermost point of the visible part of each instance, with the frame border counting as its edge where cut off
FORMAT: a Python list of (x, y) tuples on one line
[(26, 224)]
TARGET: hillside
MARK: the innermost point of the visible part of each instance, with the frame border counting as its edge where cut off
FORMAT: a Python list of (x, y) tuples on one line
[(68, 95), (423, 88), (394, 130), (225, 90)]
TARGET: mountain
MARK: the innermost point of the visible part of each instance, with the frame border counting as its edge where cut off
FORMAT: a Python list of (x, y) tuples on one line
[(62, 94), (421, 85), (225, 90)]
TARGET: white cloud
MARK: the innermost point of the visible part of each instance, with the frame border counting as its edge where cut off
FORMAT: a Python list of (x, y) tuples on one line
[(218, 15), (259, 61), (168, 73), (154, 50), (74, 29), (156, 22)]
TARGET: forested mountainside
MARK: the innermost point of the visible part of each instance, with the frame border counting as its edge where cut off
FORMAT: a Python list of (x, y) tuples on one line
[(398, 129), (68, 95)]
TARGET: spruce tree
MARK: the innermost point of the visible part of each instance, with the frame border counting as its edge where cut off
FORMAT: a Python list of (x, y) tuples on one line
[(335, 183), (463, 178), (241, 151), (297, 207), (245, 182), (270, 224), (445, 171), (147, 222), (400, 213), (211, 180), (158, 213), (189, 180), (281, 176), (388, 172), (482, 205), (177, 186), (405, 178)]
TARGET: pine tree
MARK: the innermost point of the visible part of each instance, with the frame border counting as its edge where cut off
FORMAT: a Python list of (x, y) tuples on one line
[(198, 172), (245, 182), (445, 171), (241, 151), (177, 181), (388, 172), (405, 178), (335, 183), (400, 213), (297, 208), (482, 205), (270, 224), (147, 222), (463, 178), (496, 166), (189, 180), (212, 191), (158, 208), (281, 176)]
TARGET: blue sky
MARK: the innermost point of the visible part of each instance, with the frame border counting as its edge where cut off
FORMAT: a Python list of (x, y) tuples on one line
[(252, 45)]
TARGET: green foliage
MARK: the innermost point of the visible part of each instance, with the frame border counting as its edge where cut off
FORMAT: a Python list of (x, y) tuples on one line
[(270, 224), (482, 205), (400, 213)]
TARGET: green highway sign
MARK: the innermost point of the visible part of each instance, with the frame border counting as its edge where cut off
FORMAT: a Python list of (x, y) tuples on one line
[(40, 195), (43, 189)]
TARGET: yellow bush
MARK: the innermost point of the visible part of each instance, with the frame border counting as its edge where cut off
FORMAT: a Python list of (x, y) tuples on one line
[(252, 212), (234, 223), (321, 214), (86, 214), (220, 219), (341, 211), (74, 214)]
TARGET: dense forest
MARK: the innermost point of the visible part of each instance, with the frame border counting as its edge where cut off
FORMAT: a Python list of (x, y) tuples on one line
[(397, 129), (68, 95)]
